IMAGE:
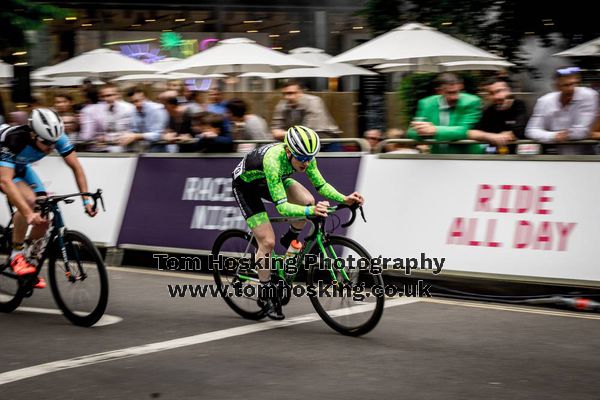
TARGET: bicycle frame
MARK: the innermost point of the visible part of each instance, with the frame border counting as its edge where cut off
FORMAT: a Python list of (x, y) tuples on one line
[(57, 230), (318, 236), (57, 234)]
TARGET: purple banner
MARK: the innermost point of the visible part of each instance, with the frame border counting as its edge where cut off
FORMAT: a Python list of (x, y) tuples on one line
[(188, 202)]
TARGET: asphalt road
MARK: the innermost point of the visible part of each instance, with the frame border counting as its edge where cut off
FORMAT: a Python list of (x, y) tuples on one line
[(154, 346)]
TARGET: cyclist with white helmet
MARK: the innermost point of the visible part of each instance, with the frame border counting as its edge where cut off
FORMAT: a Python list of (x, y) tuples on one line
[(20, 146), (265, 173)]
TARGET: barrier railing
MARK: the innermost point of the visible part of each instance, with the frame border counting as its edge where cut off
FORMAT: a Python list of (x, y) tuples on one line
[(142, 147), (381, 145)]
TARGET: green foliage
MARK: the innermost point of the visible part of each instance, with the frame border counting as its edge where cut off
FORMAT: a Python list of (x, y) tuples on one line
[(498, 26), (18, 16), (382, 15)]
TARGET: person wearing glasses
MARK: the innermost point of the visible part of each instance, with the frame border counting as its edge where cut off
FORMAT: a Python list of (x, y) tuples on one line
[(567, 114), (22, 145), (265, 173)]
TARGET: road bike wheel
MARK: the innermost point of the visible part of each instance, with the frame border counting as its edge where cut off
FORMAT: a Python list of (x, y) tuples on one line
[(346, 305), (11, 293), (239, 286), (82, 291)]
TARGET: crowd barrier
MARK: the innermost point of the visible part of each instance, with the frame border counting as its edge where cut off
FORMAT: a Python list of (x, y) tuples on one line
[(380, 148), (533, 220), (360, 145)]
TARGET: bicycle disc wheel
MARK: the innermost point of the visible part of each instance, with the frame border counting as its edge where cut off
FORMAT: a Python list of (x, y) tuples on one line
[(344, 299), (81, 292), (11, 294), (238, 285)]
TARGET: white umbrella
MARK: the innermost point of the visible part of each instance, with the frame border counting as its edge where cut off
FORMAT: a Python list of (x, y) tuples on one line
[(64, 81), (101, 63), (448, 66), (186, 75), (6, 70), (237, 56), (169, 63), (38, 74), (262, 75), (143, 78), (591, 48), (413, 43), (166, 63), (163, 77), (323, 70)]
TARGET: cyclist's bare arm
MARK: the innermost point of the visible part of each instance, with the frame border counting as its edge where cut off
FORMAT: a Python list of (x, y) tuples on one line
[(73, 162)]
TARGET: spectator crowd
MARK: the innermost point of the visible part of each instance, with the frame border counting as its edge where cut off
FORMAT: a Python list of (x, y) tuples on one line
[(184, 120), (180, 120), (568, 114)]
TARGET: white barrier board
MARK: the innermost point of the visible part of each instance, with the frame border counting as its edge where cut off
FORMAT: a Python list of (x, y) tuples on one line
[(113, 175), (524, 218)]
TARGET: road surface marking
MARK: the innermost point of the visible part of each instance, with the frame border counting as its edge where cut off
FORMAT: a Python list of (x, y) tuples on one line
[(105, 320), (171, 274), (55, 366)]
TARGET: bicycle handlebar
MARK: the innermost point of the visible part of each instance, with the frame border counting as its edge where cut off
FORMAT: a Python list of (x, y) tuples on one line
[(44, 202), (352, 209)]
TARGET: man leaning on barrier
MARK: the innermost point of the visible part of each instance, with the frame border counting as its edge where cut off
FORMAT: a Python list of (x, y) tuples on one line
[(567, 114), (503, 121), (447, 116), (299, 108)]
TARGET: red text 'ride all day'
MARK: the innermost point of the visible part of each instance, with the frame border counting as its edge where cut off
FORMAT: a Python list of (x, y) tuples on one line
[(532, 228)]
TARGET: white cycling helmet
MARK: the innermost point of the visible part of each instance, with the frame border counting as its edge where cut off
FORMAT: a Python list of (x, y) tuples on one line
[(47, 124)]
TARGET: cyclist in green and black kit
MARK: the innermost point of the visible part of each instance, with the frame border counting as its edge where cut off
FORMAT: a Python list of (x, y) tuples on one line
[(265, 173)]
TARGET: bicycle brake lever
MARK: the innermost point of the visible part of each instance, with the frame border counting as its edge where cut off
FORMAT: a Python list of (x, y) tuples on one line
[(362, 213)]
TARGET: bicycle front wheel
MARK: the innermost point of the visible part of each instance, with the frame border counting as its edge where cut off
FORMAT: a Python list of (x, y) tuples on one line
[(237, 284), (340, 291), (79, 286)]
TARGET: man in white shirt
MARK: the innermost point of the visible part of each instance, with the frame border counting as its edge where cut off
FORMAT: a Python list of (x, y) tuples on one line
[(107, 121), (149, 121), (567, 114)]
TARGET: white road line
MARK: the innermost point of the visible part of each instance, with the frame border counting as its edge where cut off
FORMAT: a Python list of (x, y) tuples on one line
[(105, 320), (171, 274), (42, 369)]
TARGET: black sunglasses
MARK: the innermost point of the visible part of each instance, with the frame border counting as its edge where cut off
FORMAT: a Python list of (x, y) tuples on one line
[(45, 142)]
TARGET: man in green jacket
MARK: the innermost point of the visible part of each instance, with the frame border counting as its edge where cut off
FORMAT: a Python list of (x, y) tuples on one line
[(447, 116)]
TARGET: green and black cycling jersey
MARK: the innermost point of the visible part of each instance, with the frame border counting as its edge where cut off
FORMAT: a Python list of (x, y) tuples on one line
[(265, 173)]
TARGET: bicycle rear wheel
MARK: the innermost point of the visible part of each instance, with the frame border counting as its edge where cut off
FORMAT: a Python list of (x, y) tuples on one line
[(81, 290), (342, 296), (230, 278), (11, 293)]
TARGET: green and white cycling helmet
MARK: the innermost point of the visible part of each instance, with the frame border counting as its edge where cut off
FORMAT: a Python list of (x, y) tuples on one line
[(303, 142)]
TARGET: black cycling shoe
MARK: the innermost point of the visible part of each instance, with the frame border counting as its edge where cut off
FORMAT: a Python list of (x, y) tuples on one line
[(272, 308), (269, 301)]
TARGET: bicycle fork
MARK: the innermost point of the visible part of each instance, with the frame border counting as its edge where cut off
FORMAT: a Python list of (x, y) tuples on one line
[(59, 234)]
